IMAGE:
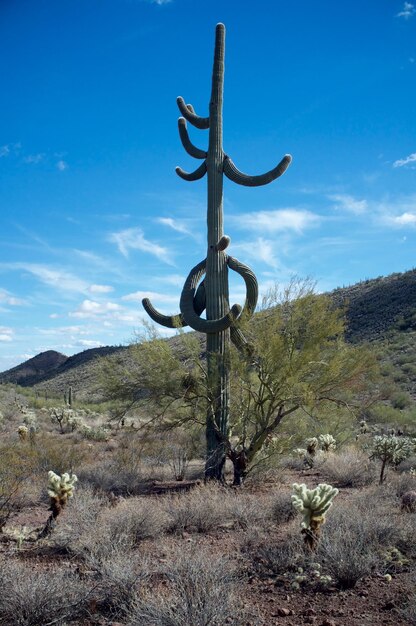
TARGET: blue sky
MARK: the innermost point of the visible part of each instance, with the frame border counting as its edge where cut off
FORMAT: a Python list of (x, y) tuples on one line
[(92, 214)]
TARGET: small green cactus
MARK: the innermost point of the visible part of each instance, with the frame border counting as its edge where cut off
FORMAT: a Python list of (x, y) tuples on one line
[(391, 450), (313, 504), (327, 442), (60, 488)]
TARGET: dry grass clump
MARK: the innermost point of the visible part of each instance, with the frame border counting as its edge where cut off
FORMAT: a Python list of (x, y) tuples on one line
[(283, 510), (348, 468), (110, 477), (360, 536), (30, 597), (275, 557), (200, 510), (200, 590)]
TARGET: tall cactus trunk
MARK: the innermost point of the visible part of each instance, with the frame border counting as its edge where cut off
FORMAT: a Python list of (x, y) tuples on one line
[(221, 323), (216, 279)]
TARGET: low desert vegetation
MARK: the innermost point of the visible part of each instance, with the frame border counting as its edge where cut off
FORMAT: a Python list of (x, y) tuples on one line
[(105, 516)]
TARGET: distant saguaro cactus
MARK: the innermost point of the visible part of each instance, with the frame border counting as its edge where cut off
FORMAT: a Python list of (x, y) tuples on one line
[(212, 293)]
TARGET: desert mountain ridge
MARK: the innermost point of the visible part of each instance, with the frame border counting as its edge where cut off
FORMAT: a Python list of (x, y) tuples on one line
[(374, 307)]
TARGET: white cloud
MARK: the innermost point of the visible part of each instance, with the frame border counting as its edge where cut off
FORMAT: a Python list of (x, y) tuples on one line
[(89, 343), (62, 165), (100, 289), (91, 308), (138, 296), (407, 11), (261, 250), (34, 158), (6, 334), (4, 151), (406, 161), (7, 298), (174, 224), (59, 279), (277, 221), (405, 219), (349, 203), (133, 239)]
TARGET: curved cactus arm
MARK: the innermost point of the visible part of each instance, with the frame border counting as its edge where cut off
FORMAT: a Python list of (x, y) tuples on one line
[(188, 310), (223, 243), (186, 142), (235, 175), (175, 321), (251, 284), (189, 114), (240, 341), (196, 175), (169, 321)]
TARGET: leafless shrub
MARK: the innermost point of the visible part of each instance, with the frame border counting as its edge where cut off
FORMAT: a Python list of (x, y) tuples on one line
[(403, 483), (348, 468), (200, 591), (78, 525), (31, 597), (200, 510), (121, 577), (283, 510), (109, 477), (125, 526), (275, 557)]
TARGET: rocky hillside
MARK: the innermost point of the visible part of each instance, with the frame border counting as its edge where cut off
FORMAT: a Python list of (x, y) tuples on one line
[(375, 309)]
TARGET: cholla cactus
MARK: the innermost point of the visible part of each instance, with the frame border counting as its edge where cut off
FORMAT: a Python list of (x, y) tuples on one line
[(313, 504), (327, 442), (60, 488), (312, 446), (391, 450), (23, 432)]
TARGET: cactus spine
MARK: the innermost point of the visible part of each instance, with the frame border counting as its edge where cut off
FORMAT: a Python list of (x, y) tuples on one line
[(211, 294)]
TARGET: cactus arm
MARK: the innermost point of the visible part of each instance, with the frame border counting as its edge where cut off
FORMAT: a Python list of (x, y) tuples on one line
[(251, 284), (190, 115), (238, 177), (169, 321), (188, 310), (175, 321), (196, 175), (240, 341), (186, 142)]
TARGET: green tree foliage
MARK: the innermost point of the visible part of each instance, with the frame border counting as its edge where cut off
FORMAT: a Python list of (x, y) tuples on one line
[(295, 360)]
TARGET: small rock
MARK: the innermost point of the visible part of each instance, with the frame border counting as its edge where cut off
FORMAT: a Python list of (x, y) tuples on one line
[(283, 611)]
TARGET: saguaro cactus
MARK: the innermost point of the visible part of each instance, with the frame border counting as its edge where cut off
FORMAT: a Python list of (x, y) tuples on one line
[(211, 294)]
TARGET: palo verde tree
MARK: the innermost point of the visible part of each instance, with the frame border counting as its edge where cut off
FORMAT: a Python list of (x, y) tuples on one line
[(295, 359), (221, 323)]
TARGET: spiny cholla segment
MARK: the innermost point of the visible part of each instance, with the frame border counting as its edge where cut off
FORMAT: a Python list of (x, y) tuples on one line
[(313, 503)]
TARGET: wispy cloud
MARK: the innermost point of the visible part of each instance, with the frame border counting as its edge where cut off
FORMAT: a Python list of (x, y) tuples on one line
[(4, 151), (91, 309), (409, 160), (60, 279), (177, 225), (133, 239), (6, 334), (62, 165), (262, 250), (138, 296), (405, 219), (279, 220), (407, 11), (7, 298), (346, 202), (34, 158), (100, 288)]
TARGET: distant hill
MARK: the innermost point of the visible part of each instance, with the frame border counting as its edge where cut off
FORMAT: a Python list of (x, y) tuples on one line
[(50, 366), (35, 369), (374, 307)]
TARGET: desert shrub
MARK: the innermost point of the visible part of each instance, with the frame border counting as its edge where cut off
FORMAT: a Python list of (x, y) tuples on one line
[(275, 557), (349, 468), (282, 508), (200, 591), (57, 453), (401, 400), (109, 477), (16, 465), (121, 576), (77, 529), (404, 482), (357, 538), (248, 510), (200, 510), (30, 597)]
